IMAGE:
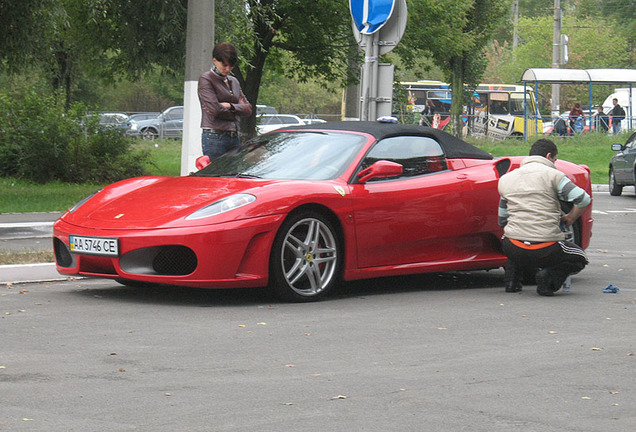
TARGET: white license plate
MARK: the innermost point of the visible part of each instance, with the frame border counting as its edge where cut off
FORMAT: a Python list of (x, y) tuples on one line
[(94, 245)]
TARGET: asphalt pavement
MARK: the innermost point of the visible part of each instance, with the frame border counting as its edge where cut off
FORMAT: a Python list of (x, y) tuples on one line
[(21, 232)]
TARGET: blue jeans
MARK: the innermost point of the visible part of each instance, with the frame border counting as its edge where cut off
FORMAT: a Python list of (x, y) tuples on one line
[(215, 145), (616, 126)]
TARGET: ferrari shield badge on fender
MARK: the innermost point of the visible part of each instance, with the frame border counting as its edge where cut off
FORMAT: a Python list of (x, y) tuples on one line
[(340, 190)]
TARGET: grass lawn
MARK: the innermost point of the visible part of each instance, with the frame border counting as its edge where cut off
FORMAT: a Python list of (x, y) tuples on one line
[(17, 196)]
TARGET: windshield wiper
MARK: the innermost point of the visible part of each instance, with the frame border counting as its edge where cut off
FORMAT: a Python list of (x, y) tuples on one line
[(240, 175)]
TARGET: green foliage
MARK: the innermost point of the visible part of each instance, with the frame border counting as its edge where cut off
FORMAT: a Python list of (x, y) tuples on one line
[(21, 26), (456, 37), (589, 47), (40, 141)]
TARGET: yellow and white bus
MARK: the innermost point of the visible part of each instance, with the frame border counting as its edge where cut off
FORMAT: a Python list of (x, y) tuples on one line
[(496, 111)]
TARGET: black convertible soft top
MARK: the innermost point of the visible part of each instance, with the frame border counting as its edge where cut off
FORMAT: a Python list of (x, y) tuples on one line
[(453, 147)]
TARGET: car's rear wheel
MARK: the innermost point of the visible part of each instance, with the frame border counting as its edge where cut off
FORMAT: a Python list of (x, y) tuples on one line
[(306, 258), (149, 134), (614, 189)]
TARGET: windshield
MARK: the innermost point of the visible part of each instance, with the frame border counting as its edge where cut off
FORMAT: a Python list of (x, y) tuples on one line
[(289, 156)]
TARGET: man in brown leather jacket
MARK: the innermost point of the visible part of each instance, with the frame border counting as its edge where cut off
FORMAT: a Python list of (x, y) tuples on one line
[(222, 103)]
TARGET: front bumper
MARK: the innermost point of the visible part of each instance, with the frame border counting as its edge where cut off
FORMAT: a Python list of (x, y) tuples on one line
[(232, 254)]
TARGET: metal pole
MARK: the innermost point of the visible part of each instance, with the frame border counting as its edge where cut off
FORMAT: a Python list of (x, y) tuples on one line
[(525, 113), (630, 111), (536, 108), (199, 46), (590, 108), (556, 58), (366, 77), (373, 94)]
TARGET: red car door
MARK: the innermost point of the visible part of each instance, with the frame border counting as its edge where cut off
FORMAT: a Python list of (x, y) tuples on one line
[(416, 217)]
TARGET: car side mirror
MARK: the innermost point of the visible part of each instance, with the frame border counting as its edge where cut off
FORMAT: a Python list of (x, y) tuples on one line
[(380, 169), (202, 162), (617, 147)]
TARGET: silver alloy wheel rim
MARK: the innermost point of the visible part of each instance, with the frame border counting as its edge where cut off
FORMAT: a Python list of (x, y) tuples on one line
[(309, 256), (611, 180)]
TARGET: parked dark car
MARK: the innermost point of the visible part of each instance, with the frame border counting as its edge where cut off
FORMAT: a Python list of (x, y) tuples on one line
[(168, 124), (622, 166)]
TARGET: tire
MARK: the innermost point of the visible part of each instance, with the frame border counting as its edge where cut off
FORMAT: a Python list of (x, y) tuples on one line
[(614, 189), (149, 134), (306, 258)]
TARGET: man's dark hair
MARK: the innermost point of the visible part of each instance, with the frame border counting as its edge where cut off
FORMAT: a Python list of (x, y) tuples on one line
[(225, 53), (542, 147)]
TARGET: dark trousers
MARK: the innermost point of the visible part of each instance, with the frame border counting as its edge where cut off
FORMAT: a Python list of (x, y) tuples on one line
[(560, 260), (216, 145)]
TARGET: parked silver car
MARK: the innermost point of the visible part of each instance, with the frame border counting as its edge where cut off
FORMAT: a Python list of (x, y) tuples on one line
[(168, 124)]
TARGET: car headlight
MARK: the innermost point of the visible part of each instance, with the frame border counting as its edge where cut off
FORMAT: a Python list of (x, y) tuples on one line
[(221, 206), (133, 127), (83, 201)]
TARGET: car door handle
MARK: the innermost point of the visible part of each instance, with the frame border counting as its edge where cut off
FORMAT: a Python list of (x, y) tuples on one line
[(462, 176)]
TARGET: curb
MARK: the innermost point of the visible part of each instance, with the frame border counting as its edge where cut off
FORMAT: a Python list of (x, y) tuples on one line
[(16, 273)]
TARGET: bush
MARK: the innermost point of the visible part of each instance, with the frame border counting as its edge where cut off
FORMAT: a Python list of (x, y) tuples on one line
[(40, 141)]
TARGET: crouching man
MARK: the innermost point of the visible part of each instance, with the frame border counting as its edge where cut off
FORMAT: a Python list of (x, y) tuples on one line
[(530, 213)]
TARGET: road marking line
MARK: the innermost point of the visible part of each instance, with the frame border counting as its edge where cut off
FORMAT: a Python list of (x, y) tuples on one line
[(26, 224)]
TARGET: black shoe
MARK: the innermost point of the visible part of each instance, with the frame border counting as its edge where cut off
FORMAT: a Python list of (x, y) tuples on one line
[(544, 283), (513, 287)]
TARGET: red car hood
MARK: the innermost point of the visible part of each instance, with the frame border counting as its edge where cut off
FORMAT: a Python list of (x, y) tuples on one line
[(157, 201)]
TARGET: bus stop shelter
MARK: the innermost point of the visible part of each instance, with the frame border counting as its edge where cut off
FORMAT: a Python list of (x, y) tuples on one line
[(590, 77)]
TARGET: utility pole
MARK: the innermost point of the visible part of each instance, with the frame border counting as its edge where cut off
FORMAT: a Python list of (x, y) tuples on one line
[(556, 58), (199, 47), (515, 24)]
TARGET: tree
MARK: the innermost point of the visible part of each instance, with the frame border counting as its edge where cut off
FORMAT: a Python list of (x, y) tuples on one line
[(315, 37), (21, 24), (588, 49), (455, 34), (314, 34)]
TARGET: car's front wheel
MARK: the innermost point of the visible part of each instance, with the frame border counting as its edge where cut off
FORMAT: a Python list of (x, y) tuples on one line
[(614, 189), (306, 258), (149, 134)]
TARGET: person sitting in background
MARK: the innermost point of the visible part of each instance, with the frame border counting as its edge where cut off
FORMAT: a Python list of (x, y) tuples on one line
[(574, 115)]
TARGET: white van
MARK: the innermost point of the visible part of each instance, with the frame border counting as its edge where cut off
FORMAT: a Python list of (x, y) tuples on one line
[(622, 94)]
